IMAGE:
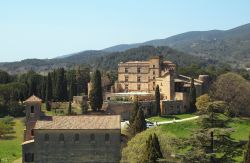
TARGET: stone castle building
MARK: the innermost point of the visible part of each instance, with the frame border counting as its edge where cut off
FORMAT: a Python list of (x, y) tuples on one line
[(140, 78), (69, 139)]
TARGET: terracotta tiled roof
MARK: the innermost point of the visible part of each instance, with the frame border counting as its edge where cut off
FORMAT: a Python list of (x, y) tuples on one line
[(33, 98), (80, 122)]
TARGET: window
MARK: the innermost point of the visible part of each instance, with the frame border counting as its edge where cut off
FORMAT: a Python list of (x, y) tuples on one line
[(29, 157), (126, 87), (32, 132), (153, 66), (153, 72), (126, 78), (77, 138), (107, 138), (138, 70), (126, 70), (138, 87), (32, 109), (61, 138), (138, 79), (46, 137), (161, 84), (153, 77), (92, 138)]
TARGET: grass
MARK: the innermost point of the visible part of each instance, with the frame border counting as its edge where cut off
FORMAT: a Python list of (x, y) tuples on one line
[(11, 149), (242, 128), (181, 129), (170, 117)]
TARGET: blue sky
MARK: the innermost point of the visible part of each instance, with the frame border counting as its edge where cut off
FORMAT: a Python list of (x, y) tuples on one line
[(50, 28)]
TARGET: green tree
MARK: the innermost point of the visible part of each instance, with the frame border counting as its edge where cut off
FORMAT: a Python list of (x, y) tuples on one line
[(235, 91), (61, 85), (84, 107), (49, 92), (153, 148), (134, 112), (73, 89), (69, 108), (192, 97), (202, 102), (95, 96), (139, 124), (212, 142), (247, 153), (157, 100)]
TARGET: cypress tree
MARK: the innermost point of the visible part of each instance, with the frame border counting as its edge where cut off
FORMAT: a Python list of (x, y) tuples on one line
[(157, 100), (72, 90), (61, 93), (95, 96), (84, 107), (69, 108), (192, 97), (153, 152), (134, 112), (49, 92), (43, 90), (247, 153), (139, 124)]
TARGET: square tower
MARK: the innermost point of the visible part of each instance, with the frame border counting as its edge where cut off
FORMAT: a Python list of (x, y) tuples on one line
[(33, 113)]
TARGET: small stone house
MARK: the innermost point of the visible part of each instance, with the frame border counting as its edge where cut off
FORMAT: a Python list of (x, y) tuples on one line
[(70, 139)]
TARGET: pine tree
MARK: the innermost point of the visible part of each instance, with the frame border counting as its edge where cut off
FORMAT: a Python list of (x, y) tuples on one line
[(72, 89), (212, 142), (192, 97), (95, 96), (134, 112), (157, 100), (69, 108), (247, 153), (153, 152), (139, 124)]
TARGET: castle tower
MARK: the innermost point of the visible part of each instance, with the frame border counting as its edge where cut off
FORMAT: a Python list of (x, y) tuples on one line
[(33, 113)]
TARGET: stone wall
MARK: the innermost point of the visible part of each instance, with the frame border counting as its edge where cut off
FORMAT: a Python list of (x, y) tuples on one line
[(172, 107), (71, 151), (124, 108)]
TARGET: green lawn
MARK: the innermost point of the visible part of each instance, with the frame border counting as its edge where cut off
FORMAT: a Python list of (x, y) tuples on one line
[(181, 129), (170, 117), (11, 150), (241, 127)]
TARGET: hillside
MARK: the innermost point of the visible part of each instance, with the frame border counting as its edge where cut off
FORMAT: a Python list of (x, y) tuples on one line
[(230, 45), (102, 60)]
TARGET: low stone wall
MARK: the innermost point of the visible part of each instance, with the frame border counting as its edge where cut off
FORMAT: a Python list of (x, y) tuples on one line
[(172, 107), (124, 108)]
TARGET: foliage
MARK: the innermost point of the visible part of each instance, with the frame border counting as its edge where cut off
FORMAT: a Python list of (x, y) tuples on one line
[(212, 142), (6, 126), (153, 152), (10, 148), (84, 107), (134, 112), (202, 102), (139, 123), (234, 90), (137, 147), (69, 108), (157, 100), (192, 97), (95, 96), (247, 153)]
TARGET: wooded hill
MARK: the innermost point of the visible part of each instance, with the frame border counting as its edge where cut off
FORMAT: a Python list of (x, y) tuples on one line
[(103, 60)]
